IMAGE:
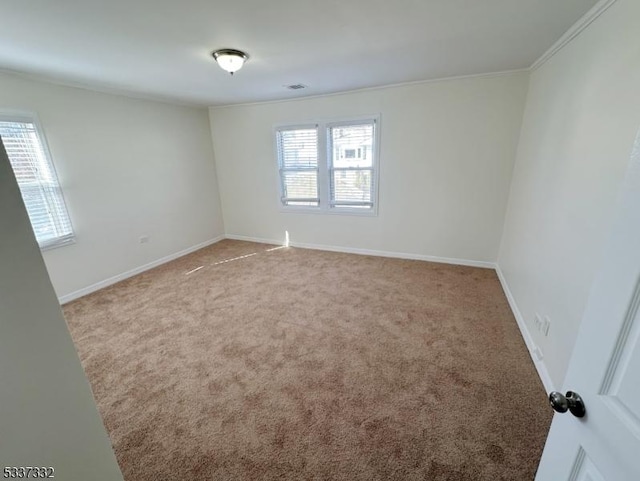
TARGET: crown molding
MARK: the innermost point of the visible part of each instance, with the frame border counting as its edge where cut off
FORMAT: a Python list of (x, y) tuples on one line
[(410, 83), (101, 88), (575, 30)]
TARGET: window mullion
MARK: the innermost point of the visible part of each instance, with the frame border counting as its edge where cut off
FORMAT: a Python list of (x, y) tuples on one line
[(345, 154), (323, 167)]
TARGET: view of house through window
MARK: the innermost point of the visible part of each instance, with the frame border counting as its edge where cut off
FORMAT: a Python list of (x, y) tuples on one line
[(351, 165), (37, 180), (336, 175)]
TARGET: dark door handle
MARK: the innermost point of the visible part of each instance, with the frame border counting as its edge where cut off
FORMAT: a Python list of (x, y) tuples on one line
[(571, 402)]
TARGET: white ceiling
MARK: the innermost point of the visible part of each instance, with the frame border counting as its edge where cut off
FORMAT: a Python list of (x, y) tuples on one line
[(161, 48)]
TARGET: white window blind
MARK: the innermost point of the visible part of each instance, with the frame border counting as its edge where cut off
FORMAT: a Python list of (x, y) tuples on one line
[(351, 165), (329, 167), (298, 163), (38, 183)]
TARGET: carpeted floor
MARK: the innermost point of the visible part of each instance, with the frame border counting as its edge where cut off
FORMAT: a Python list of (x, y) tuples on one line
[(295, 364)]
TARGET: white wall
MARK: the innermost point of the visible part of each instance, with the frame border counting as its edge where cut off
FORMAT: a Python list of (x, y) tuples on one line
[(47, 413), (128, 168), (582, 114), (447, 150)]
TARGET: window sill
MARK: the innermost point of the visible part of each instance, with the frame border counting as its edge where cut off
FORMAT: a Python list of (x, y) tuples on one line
[(54, 244), (339, 211)]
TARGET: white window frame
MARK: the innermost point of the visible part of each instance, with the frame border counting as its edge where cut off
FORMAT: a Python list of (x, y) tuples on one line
[(324, 166), (306, 126), (32, 118)]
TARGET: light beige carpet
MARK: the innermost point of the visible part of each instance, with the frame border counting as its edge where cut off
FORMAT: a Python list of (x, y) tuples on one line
[(295, 364)]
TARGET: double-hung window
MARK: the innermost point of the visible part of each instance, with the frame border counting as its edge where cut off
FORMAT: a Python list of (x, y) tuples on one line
[(37, 180), (329, 166), (298, 161), (351, 169)]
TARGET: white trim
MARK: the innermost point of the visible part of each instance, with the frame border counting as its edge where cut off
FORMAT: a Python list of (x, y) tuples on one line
[(375, 165), (104, 88), (259, 240), (322, 127), (575, 30), (276, 151), (540, 365), (303, 209), (59, 242), (125, 275), (370, 252), (378, 87), (111, 89)]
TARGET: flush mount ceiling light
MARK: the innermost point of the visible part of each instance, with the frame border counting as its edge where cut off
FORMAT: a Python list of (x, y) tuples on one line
[(230, 59)]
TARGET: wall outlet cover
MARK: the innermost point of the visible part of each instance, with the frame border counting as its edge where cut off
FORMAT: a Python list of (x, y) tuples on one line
[(537, 353), (537, 321), (546, 322)]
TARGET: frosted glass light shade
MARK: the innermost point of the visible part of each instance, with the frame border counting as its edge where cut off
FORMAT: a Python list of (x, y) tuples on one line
[(230, 60)]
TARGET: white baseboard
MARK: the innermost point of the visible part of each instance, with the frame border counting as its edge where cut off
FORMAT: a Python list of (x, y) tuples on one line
[(125, 275), (540, 365), (543, 373), (254, 239), (370, 252)]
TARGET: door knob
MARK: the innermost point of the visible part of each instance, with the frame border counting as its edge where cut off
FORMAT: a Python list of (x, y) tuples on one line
[(570, 402)]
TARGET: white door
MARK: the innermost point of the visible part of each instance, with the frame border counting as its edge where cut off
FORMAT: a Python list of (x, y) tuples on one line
[(604, 370)]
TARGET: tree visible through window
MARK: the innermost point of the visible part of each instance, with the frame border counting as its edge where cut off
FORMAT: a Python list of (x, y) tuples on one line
[(37, 180)]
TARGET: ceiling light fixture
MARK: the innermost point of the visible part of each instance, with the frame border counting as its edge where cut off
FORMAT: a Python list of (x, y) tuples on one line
[(230, 59)]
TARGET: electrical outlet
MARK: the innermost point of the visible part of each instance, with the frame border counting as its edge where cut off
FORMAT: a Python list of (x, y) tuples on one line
[(546, 322), (537, 321), (537, 353), (144, 239)]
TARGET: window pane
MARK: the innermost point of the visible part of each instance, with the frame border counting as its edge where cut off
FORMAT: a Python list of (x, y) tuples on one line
[(298, 148), (36, 204), (37, 181), (302, 203), (351, 150), (298, 162), (352, 145), (352, 188), (301, 186), (344, 160)]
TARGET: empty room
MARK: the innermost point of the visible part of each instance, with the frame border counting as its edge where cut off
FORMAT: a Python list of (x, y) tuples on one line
[(356, 240)]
